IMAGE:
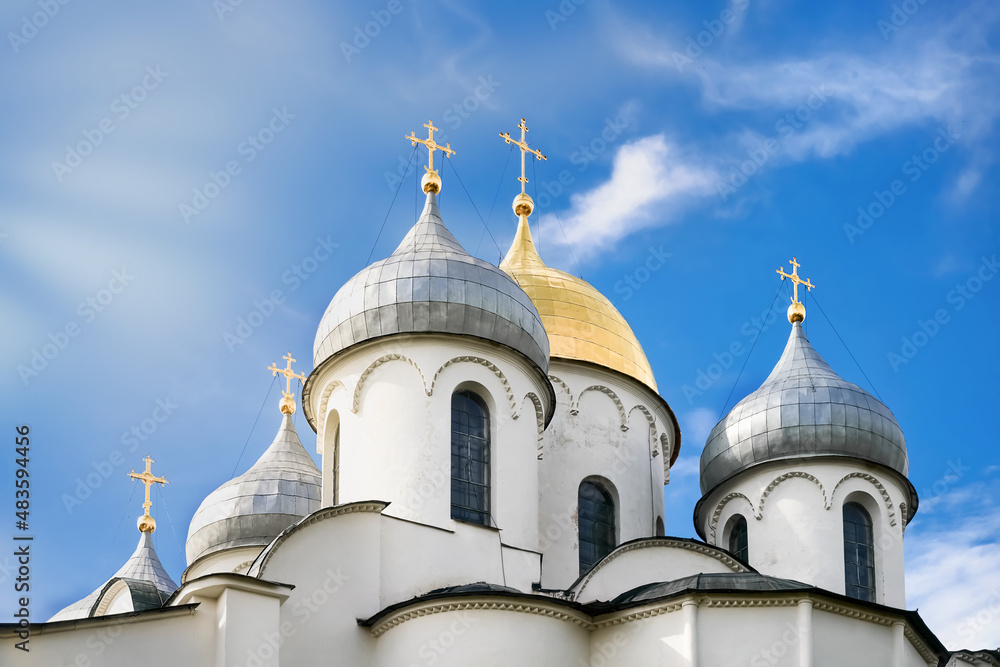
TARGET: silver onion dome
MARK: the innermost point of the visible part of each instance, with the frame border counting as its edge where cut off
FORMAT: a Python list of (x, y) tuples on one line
[(430, 284), (148, 583), (283, 486), (802, 410)]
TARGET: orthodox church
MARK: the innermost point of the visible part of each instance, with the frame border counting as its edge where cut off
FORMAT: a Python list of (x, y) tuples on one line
[(510, 512)]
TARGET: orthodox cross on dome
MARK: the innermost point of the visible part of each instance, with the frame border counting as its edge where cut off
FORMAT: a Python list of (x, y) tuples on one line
[(796, 312), (146, 523), (287, 397), (523, 203), (431, 181)]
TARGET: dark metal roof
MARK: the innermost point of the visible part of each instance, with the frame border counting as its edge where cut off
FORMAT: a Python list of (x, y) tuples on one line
[(728, 582)]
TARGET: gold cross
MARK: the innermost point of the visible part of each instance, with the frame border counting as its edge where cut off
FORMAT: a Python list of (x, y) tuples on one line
[(288, 398), (148, 478), (796, 281), (523, 145), (431, 181)]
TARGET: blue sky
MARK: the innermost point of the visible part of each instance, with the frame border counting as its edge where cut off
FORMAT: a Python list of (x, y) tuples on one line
[(138, 210)]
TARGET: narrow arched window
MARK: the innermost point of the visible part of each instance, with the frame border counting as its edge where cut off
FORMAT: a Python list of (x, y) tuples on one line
[(859, 553), (738, 544), (659, 526), (597, 524), (470, 458)]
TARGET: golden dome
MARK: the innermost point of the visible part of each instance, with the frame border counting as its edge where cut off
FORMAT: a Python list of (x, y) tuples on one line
[(580, 321)]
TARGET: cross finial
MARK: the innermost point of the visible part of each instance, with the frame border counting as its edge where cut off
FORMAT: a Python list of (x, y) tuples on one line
[(431, 181), (796, 311), (146, 523), (522, 203), (287, 397)]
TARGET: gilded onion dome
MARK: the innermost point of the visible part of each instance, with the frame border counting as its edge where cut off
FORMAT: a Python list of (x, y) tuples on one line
[(430, 284), (251, 510), (580, 321), (803, 410)]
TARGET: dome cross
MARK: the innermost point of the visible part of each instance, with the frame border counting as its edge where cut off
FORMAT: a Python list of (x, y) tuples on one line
[(146, 522), (523, 203), (796, 312), (288, 398), (431, 181)]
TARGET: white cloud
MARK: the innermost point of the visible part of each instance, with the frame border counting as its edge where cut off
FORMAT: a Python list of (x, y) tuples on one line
[(930, 74), (651, 179), (952, 574)]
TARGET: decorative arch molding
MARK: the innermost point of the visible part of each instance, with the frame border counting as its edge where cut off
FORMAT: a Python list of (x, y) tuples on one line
[(569, 392), (667, 455), (260, 563), (487, 364), (874, 482), (111, 591), (783, 477), (324, 400), (717, 514), (539, 417), (669, 542), (371, 369), (610, 393), (649, 417)]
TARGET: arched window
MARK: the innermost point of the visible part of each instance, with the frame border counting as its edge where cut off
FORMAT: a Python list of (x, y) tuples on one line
[(859, 553), (597, 524), (738, 545), (470, 458), (659, 526)]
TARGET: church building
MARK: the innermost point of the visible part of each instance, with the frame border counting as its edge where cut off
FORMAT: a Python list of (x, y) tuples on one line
[(492, 452)]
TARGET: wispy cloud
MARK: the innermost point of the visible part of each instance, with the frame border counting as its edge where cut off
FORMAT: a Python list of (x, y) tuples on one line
[(651, 180), (952, 574)]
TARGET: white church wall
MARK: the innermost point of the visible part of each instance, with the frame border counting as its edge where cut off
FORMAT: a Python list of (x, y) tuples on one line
[(840, 640), (417, 559), (662, 559), (485, 637), (155, 640), (600, 430), (794, 513), (752, 635), (654, 640), (335, 564), (393, 402)]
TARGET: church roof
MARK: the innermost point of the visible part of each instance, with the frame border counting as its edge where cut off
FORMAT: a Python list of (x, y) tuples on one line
[(252, 509), (580, 322), (430, 284), (147, 580), (803, 409), (727, 581)]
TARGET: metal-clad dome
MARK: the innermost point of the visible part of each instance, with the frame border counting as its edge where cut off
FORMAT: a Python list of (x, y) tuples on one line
[(283, 486), (144, 575), (580, 321), (803, 409), (430, 284)]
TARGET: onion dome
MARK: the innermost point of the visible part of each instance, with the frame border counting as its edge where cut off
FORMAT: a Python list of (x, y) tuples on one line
[(581, 323), (803, 410), (251, 510), (143, 575), (430, 284)]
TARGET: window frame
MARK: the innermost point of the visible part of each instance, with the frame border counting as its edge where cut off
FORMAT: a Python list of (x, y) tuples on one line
[(606, 490), (738, 526), (479, 515), (863, 555)]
